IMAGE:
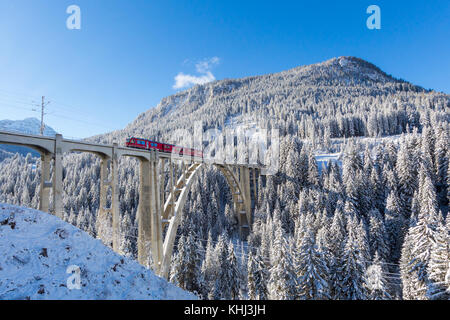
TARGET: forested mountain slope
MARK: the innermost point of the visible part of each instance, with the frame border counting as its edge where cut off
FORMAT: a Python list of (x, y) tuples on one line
[(341, 97)]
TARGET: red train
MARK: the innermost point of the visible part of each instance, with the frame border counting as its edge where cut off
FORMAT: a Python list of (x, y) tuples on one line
[(162, 147)]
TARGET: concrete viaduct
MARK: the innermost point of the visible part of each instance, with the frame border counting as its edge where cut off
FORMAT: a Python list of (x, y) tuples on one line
[(157, 211)]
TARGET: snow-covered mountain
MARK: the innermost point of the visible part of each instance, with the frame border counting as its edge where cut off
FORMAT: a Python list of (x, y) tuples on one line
[(37, 250), (28, 126), (330, 93)]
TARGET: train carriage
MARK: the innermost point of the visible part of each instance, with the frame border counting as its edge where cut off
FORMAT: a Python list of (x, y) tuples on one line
[(163, 147)]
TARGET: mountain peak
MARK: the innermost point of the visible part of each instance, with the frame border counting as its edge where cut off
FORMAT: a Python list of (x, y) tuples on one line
[(314, 90), (27, 125)]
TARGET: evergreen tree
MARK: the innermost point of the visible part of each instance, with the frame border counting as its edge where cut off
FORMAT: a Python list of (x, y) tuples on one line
[(233, 274), (354, 267), (282, 282), (311, 270), (208, 269), (378, 241), (336, 249), (439, 265), (376, 281), (419, 242), (395, 225), (257, 277)]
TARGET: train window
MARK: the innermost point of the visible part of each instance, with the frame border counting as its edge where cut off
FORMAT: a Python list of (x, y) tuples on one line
[(132, 140)]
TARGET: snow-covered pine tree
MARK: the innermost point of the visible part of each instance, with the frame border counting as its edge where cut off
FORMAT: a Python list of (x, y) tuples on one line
[(338, 236), (282, 282), (439, 265), (187, 264), (419, 242), (208, 269), (376, 281), (395, 225), (313, 171), (363, 241), (407, 171), (233, 274), (293, 171), (353, 284), (311, 269), (222, 284), (378, 241), (126, 234)]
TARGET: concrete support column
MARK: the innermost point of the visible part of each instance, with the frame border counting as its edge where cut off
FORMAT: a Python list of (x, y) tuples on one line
[(156, 223), (46, 184), (115, 208), (172, 191), (162, 174), (58, 209), (144, 213), (245, 188), (103, 211), (255, 185)]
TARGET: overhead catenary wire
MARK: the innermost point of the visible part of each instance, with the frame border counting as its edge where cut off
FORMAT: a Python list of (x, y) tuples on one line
[(17, 101)]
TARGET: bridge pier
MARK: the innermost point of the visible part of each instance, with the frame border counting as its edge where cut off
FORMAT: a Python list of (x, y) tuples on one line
[(144, 214), (103, 210), (149, 215), (46, 184), (245, 187), (58, 209), (113, 210), (156, 226), (115, 207)]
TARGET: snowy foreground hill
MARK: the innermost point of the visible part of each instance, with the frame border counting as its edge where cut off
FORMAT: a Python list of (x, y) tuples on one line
[(37, 248)]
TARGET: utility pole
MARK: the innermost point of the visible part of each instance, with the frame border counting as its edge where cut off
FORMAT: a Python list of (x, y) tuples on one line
[(42, 115), (43, 104)]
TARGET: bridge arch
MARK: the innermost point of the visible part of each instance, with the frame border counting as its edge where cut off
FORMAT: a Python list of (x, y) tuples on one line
[(175, 203)]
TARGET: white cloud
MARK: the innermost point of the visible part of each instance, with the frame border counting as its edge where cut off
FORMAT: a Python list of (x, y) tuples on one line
[(203, 67), (206, 64), (185, 80)]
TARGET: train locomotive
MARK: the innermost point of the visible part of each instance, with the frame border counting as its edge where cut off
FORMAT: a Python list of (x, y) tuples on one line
[(141, 143)]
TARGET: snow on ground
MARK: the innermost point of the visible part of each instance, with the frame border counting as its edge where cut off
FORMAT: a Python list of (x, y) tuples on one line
[(322, 159), (37, 248), (322, 156)]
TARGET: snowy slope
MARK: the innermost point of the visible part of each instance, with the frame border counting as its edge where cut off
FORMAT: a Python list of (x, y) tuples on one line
[(36, 249), (28, 126)]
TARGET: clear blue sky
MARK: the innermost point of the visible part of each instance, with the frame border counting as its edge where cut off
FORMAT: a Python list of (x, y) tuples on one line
[(127, 54)]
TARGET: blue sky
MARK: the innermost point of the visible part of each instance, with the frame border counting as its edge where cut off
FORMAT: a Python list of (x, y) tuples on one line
[(127, 54)]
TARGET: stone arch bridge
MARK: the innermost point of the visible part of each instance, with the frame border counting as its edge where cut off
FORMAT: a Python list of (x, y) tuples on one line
[(158, 210)]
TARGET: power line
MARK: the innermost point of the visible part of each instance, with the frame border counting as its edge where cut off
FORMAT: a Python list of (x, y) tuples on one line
[(13, 99), (17, 107), (43, 105)]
